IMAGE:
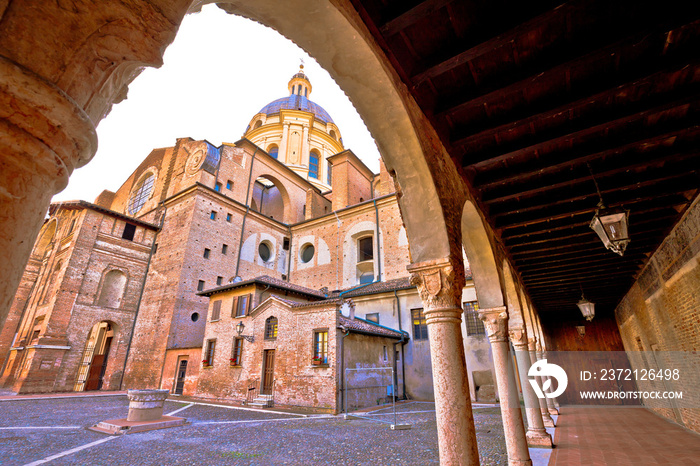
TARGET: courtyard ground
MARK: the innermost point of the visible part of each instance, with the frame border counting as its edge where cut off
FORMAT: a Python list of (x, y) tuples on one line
[(52, 430)]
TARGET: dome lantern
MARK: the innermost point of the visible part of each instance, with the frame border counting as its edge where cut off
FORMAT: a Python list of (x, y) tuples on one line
[(299, 84)]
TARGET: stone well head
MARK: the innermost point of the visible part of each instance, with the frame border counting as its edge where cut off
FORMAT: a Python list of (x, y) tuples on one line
[(146, 405)]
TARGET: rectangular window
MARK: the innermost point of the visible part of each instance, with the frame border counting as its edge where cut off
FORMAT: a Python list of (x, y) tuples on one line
[(285, 244), (207, 251), (475, 326), (329, 175), (212, 215), (215, 311), (374, 317), (237, 351), (420, 327), (129, 231), (217, 187), (365, 249), (155, 248), (35, 337), (321, 346), (219, 280), (200, 285), (386, 354), (229, 184), (224, 249), (228, 218), (209, 353), (242, 305)]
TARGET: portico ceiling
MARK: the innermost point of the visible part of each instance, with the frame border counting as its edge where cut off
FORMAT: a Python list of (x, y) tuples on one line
[(534, 99)]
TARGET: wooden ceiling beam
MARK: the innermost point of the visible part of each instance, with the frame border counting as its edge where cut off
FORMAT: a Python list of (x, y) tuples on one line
[(411, 16)]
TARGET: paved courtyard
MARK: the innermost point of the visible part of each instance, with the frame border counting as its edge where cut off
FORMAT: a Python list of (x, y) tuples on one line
[(52, 430)]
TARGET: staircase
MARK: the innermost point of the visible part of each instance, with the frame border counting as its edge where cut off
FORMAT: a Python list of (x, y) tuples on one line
[(263, 401)]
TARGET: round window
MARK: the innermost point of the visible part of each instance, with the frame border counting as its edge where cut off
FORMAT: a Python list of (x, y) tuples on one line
[(264, 251), (195, 316), (307, 252)]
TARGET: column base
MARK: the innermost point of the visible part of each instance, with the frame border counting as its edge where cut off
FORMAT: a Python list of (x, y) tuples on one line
[(547, 420), (519, 462), (539, 439)]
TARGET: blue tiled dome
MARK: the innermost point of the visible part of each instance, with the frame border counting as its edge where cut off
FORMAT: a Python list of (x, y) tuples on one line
[(297, 102)]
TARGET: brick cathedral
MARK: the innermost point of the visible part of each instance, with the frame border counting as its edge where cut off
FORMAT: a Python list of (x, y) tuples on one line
[(270, 264)]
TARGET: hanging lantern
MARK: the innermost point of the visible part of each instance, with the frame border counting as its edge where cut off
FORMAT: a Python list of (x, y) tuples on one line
[(611, 225), (587, 308)]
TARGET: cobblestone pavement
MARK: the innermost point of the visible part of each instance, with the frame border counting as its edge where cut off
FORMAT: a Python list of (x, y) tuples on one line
[(32, 430)]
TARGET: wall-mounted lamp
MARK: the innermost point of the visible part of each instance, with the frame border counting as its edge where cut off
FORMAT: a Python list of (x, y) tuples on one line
[(239, 330), (611, 225)]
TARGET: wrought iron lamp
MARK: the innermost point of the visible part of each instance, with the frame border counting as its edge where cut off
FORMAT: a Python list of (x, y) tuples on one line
[(239, 330), (611, 225), (587, 308)]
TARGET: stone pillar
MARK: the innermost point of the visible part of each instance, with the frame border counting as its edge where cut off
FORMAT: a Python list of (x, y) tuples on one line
[(440, 286), (305, 147), (282, 154), (537, 436), (546, 418), (44, 135), (551, 409), (496, 323)]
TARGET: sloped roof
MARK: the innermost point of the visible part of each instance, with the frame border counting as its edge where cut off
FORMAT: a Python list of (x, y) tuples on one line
[(403, 283), (366, 327), (266, 280)]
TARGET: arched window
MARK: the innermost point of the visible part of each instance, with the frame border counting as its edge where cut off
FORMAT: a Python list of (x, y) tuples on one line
[(333, 135), (113, 286), (271, 328), (313, 164), (50, 290), (257, 124), (273, 150), (140, 193)]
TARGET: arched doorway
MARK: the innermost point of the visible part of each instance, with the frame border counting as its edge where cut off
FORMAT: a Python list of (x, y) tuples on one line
[(94, 361)]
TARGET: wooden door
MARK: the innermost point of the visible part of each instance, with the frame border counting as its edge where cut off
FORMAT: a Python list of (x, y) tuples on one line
[(93, 380), (180, 381), (268, 371)]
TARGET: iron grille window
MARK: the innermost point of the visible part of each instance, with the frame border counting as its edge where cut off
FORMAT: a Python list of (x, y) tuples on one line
[(321, 346), (475, 326), (420, 327), (237, 350), (271, 328)]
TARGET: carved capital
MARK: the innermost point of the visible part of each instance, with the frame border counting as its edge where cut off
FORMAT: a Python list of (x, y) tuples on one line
[(518, 336), (495, 322), (439, 284), (532, 344)]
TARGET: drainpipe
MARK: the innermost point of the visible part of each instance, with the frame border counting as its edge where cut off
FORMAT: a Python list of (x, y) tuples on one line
[(337, 252), (343, 395), (290, 257), (403, 342), (138, 303), (379, 255), (247, 204)]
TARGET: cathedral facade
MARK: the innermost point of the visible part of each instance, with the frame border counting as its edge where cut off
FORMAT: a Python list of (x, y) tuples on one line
[(123, 292)]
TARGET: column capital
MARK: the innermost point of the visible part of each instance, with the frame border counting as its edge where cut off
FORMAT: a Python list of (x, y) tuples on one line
[(532, 343), (518, 336), (440, 286), (496, 323)]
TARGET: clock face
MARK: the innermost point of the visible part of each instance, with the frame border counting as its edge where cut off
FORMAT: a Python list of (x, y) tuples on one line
[(195, 161)]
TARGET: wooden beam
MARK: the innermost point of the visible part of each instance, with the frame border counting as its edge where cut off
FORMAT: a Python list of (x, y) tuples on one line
[(411, 16)]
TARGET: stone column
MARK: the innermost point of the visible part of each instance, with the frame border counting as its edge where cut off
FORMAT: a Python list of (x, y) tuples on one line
[(282, 154), (440, 287), (44, 135), (496, 323), (537, 436), (551, 409), (305, 146), (546, 418)]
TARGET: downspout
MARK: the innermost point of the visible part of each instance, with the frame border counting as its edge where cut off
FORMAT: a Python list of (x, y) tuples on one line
[(403, 342), (247, 204), (138, 303), (343, 395), (337, 252), (379, 255), (289, 259)]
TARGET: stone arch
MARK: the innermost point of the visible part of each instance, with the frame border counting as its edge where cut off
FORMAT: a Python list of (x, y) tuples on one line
[(402, 133), (510, 290), (481, 259), (112, 288), (271, 198)]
